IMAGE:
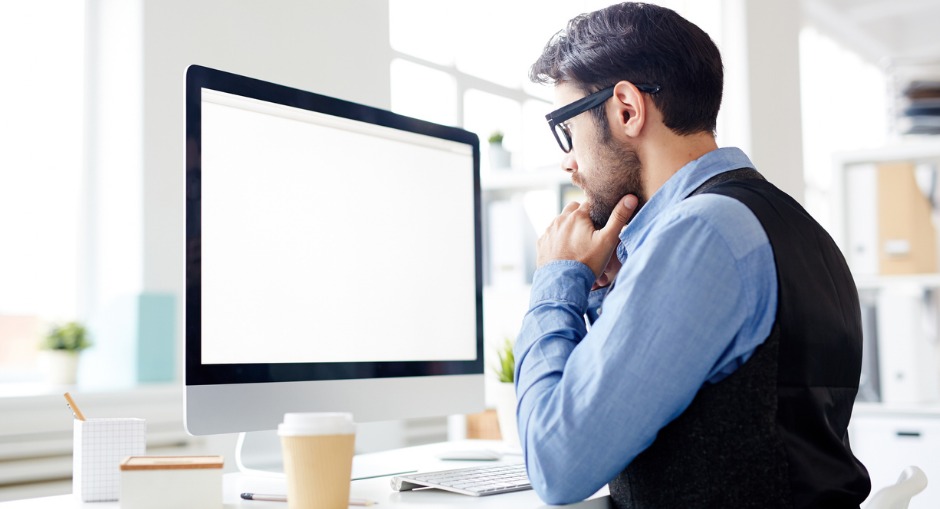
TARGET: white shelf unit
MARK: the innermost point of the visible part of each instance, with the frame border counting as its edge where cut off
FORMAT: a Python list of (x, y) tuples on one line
[(517, 207), (900, 310), (522, 180), (903, 428), (925, 149), (925, 281), (518, 204)]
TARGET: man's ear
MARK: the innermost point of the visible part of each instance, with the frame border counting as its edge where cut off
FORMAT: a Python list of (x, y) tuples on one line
[(630, 108)]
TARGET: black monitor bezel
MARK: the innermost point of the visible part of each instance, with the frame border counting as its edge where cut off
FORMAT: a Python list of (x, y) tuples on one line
[(197, 373)]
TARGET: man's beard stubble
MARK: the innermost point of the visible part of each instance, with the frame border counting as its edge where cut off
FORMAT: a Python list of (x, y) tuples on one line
[(621, 177)]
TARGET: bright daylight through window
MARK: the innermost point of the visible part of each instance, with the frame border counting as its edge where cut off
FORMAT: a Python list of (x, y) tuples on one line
[(41, 160)]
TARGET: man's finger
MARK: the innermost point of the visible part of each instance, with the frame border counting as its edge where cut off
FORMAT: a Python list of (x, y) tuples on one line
[(620, 215)]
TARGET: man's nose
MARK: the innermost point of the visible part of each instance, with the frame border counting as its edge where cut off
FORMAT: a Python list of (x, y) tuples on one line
[(568, 163)]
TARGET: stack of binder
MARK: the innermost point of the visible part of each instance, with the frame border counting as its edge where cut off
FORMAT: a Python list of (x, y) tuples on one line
[(920, 108), (890, 219)]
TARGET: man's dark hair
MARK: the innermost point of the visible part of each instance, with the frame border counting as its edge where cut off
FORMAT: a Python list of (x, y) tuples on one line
[(643, 44)]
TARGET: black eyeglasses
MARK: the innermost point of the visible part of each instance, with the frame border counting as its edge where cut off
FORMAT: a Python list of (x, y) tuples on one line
[(557, 118)]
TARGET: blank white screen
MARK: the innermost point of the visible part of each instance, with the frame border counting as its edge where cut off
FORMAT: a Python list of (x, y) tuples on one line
[(331, 240)]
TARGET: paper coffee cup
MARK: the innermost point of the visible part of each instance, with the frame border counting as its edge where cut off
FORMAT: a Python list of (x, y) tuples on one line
[(318, 451)]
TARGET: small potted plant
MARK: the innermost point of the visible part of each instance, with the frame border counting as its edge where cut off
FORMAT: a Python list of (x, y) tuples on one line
[(500, 158), (60, 350), (506, 393)]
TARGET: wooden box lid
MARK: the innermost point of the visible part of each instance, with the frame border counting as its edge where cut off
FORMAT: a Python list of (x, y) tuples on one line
[(170, 462)]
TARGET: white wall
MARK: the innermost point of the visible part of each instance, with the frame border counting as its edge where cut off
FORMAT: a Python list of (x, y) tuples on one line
[(140, 50), (775, 121), (761, 104), (334, 48), (760, 109)]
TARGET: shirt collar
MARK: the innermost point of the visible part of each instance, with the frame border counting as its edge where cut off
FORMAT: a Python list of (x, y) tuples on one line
[(680, 185)]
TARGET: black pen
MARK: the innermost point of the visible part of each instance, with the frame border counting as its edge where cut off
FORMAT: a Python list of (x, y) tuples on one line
[(283, 498)]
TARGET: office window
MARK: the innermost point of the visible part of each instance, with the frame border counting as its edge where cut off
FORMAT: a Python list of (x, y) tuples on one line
[(41, 104), (424, 92), (485, 48), (538, 144), (410, 29), (485, 112), (844, 107)]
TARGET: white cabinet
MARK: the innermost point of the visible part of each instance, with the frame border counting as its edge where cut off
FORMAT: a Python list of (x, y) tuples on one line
[(888, 439)]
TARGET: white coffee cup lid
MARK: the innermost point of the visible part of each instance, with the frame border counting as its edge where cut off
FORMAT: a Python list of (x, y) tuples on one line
[(316, 423)]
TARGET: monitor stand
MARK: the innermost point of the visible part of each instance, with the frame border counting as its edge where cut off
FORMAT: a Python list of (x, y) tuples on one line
[(258, 453)]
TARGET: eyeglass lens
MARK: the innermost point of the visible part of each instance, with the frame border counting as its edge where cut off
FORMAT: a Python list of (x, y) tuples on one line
[(563, 136)]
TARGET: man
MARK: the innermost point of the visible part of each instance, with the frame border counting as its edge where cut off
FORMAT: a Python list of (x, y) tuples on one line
[(724, 351)]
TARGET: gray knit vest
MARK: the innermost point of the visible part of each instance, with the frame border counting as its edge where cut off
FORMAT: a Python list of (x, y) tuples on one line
[(774, 433)]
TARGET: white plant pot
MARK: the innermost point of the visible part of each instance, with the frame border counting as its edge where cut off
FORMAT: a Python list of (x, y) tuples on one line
[(506, 414), (500, 158), (60, 367)]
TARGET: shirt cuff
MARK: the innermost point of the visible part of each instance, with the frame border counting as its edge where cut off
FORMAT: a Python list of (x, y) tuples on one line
[(562, 280)]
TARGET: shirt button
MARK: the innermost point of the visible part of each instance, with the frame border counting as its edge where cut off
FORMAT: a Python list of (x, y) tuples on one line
[(598, 311)]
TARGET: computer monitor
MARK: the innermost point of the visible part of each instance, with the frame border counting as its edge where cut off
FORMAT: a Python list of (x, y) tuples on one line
[(333, 259)]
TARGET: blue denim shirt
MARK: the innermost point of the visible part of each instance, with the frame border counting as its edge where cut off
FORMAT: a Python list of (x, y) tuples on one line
[(696, 295)]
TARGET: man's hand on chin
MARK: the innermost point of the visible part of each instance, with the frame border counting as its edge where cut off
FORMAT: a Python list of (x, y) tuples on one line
[(572, 236)]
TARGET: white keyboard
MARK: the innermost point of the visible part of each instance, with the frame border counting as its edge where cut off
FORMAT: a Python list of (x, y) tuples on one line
[(474, 481)]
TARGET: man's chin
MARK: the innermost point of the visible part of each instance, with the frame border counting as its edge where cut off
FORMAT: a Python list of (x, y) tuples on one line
[(599, 217)]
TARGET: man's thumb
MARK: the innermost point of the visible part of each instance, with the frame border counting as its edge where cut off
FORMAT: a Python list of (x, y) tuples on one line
[(622, 213)]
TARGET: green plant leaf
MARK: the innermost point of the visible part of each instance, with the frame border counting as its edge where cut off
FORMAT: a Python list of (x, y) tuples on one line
[(506, 363), (71, 336)]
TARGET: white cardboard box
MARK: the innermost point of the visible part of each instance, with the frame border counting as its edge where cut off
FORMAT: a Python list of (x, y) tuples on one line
[(180, 482)]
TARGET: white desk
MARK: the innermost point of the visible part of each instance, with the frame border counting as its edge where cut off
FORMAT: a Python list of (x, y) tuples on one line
[(376, 489)]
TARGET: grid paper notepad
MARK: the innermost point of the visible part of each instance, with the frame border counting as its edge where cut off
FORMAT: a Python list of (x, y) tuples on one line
[(99, 447)]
